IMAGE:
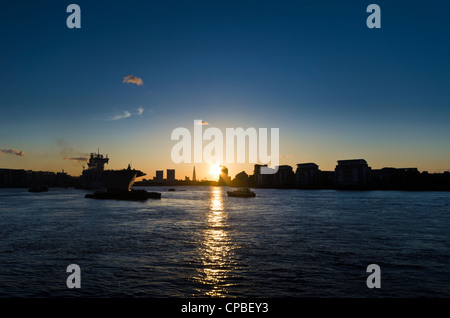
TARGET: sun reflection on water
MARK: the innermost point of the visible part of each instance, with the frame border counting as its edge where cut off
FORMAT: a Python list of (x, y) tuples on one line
[(215, 249)]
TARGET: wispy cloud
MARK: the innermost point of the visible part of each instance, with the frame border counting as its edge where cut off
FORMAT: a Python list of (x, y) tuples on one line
[(127, 114), (12, 152), (286, 156), (78, 159), (133, 80)]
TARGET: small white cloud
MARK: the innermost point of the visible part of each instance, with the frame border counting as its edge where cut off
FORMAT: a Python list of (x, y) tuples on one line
[(127, 114)]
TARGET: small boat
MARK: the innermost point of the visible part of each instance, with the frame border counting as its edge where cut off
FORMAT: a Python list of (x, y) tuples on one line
[(242, 193), (38, 189), (132, 195)]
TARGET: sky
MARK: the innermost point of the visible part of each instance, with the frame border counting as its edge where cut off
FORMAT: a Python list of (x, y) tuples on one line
[(136, 70)]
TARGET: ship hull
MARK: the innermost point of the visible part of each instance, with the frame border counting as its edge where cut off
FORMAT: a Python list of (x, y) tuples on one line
[(110, 179)]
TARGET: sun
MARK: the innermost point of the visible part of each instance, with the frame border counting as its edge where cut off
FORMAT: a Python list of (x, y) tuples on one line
[(215, 170)]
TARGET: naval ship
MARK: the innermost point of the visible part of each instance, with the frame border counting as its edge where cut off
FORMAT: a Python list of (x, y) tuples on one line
[(96, 177), (112, 184)]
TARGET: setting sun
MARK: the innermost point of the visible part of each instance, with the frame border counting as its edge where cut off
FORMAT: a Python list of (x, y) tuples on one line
[(214, 170)]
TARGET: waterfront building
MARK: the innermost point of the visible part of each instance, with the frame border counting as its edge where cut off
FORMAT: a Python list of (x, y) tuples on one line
[(170, 175), (262, 180), (284, 177), (354, 172), (159, 176), (20, 178), (307, 174)]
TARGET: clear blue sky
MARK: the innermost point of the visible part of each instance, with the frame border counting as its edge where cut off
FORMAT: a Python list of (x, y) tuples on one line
[(336, 89)]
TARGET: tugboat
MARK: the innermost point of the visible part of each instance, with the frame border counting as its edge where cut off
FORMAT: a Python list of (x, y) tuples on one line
[(38, 189), (132, 195), (115, 184), (242, 193)]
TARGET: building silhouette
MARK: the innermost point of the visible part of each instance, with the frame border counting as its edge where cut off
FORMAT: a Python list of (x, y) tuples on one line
[(307, 174), (224, 179), (194, 177), (262, 180), (398, 176), (284, 177), (257, 174), (159, 176), (20, 178), (354, 172), (348, 174), (170, 175)]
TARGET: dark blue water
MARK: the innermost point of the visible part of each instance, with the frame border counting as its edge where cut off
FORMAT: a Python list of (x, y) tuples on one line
[(199, 242)]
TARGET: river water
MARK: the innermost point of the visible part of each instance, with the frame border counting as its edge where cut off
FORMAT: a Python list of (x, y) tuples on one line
[(199, 243)]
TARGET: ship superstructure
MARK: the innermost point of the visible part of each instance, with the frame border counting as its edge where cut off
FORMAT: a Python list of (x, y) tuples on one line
[(96, 177)]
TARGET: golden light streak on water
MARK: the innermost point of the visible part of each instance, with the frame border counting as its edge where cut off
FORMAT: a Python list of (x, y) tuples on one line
[(216, 248)]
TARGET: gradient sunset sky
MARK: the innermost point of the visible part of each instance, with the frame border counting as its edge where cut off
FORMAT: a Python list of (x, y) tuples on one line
[(335, 88)]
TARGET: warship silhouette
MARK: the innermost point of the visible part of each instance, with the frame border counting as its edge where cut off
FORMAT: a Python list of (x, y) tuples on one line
[(112, 184)]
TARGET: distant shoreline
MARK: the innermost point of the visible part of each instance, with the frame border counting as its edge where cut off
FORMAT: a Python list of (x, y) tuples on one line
[(409, 189)]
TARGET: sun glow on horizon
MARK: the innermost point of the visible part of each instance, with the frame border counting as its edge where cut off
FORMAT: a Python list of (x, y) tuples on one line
[(215, 170)]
